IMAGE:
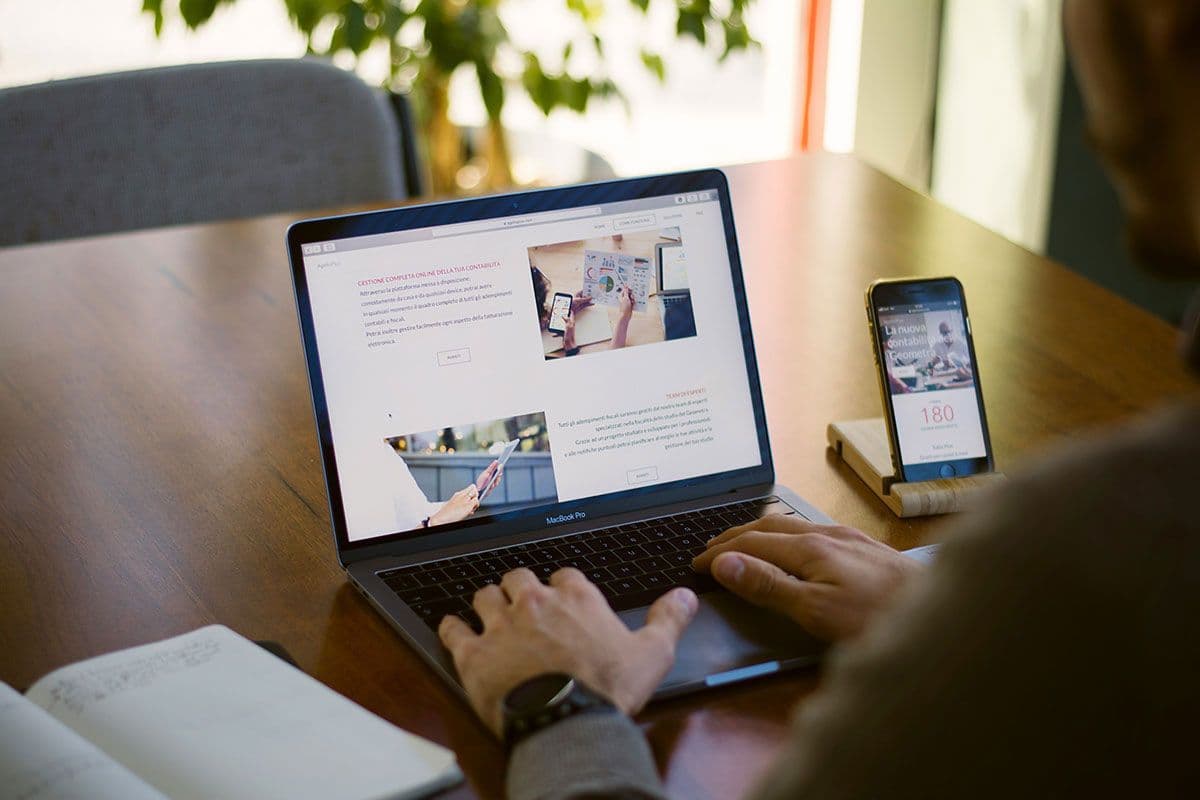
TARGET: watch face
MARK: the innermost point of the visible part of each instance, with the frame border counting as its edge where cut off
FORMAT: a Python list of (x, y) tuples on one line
[(538, 693)]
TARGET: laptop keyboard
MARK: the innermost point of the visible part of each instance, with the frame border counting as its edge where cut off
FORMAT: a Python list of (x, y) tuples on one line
[(632, 564)]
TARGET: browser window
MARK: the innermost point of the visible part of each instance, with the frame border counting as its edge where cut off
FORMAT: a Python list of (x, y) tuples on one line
[(449, 398)]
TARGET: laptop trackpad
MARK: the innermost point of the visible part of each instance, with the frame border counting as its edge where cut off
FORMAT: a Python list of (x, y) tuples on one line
[(731, 640)]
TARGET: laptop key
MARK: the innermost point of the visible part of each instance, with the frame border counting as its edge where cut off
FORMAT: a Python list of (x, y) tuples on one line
[(432, 576), (459, 588), (422, 595), (489, 566), (433, 612), (402, 583), (656, 580), (622, 570), (459, 571), (630, 538), (602, 559), (622, 586), (680, 558), (598, 575), (652, 564), (685, 576), (472, 619)]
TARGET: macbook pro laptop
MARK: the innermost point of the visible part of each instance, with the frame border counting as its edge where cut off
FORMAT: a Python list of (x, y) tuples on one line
[(422, 329)]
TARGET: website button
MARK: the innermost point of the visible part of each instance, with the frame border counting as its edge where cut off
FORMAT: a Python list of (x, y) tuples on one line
[(642, 475), (448, 358)]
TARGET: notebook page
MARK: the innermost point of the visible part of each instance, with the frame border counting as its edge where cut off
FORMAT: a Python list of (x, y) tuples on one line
[(211, 714), (40, 759)]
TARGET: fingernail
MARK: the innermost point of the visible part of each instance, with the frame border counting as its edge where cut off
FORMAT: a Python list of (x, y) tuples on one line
[(686, 599), (729, 567)]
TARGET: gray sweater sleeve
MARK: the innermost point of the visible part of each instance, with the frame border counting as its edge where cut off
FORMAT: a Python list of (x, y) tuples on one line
[(595, 755)]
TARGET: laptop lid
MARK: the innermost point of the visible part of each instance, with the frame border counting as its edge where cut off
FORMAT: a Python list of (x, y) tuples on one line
[(423, 332)]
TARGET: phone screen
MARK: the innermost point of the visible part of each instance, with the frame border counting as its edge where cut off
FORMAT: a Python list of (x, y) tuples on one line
[(560, 309), (927, 364)]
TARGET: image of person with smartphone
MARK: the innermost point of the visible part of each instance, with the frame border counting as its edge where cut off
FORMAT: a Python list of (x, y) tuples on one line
[(414, 510), (556, 312)]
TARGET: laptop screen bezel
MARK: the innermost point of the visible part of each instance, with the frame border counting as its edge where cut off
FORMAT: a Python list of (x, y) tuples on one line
[(484, 528)]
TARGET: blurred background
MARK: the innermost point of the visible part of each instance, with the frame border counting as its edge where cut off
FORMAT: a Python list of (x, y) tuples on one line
[(967, 100)]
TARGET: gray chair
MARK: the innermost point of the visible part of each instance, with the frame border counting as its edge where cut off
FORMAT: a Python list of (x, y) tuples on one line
[(195, 143)]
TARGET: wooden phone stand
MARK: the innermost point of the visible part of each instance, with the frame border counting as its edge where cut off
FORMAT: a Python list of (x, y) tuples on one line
[(863, 445)]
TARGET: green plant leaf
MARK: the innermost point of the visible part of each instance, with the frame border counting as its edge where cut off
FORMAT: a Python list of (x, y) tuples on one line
[(491, 87), (590, 11), (307, 14), (644, 5), (654, 63), (357, 36), (691, 24), (154, 8), (196, 12)]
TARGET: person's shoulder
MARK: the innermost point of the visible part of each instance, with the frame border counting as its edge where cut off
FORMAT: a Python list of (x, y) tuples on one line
[(1154, 453), (1113, 495)]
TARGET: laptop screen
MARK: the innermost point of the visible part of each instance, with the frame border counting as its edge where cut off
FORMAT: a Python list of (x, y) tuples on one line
[(451, 401)]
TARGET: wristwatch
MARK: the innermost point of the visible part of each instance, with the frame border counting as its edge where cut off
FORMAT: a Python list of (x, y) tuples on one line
[(544, 700)]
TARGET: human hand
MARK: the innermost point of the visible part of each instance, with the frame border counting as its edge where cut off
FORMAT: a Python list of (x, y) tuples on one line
[(627, 302), (461, 505), (580, 301), (569, 334), (530, 629), (489, 479), (831, 579)]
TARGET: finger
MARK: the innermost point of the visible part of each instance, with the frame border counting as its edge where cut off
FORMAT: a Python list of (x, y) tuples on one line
[(518, 582), (568, 577), (764, 584), (669, 616), (455, 634), (787, 551), (779, 523), (490, 604)]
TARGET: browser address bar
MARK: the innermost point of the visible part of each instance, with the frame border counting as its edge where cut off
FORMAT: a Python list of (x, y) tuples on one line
[(513, 222)]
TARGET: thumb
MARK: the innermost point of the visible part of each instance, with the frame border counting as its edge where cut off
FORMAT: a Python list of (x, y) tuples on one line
[(761, 583), (670, 615)]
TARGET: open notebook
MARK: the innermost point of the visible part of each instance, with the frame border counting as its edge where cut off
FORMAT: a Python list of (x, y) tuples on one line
[(208, 714)]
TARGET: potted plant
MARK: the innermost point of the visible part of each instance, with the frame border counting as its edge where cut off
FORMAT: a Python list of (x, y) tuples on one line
[(429, 40)]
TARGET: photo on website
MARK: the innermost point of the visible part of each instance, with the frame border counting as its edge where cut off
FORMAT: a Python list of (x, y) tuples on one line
[(616, 299), (925, 351), (449, 474)]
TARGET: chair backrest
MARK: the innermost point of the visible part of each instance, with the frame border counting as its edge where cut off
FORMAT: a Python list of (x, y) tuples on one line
[(193, 143)]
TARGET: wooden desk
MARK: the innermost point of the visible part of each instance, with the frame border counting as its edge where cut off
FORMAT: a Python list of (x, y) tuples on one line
[(158, 468)]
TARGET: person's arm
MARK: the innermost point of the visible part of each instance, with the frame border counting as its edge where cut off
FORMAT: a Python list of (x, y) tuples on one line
[(1050, 651), (621, 330), (531, 629), (586, 757)]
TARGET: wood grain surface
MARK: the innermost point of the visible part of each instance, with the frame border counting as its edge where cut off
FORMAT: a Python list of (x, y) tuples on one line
[(159, 471)]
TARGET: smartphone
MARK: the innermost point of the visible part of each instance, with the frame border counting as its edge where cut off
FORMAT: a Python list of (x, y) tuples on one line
[(928, 378), (502, 457), (560, 311)]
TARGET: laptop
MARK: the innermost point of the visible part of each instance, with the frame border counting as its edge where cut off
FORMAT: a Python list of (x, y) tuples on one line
[(422, 329)]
